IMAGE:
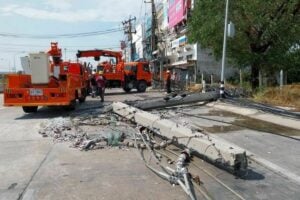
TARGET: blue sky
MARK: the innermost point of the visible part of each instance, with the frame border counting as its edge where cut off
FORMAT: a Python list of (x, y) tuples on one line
[(41, 17)]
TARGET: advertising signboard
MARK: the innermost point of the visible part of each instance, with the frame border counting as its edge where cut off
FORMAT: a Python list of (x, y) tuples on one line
[(176, 12), (179, 42)]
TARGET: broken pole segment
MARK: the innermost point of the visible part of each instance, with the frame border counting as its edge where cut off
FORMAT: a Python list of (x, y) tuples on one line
[(216, 150), (176, 100)]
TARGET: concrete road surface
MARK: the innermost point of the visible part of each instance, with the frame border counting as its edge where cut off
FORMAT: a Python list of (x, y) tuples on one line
[(32, 167)]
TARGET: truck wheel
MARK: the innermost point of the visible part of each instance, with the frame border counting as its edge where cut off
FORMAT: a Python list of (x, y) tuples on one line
[(128, 86), (83, 96), (72, 106), (30, 109), (142, 86), (126, 89), (82, 99)]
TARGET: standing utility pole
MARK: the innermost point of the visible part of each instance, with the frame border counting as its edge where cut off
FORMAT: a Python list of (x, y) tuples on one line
[(224, 41), (128, 30), (153, 27), (224, 49)]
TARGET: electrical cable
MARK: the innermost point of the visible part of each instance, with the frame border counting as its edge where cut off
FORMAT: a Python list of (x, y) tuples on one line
[(68, 35), (46, 46)]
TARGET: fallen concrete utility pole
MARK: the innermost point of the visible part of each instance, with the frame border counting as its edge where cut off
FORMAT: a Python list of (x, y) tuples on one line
[(215, 150), (175, 100)]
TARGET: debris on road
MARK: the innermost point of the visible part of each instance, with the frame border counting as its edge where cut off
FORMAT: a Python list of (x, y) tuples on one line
[(89, 132)]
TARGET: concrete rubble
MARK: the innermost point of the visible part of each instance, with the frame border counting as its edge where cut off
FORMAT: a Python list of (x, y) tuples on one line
[(89, 132)]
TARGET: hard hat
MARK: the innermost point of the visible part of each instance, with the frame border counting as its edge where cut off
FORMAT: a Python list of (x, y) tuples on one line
[(100, 72), (168, 71), (93, 72)]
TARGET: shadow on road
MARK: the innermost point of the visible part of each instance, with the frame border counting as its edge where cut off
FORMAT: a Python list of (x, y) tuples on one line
[(56, 111), (120, 93), (45, 113), (251, 175)]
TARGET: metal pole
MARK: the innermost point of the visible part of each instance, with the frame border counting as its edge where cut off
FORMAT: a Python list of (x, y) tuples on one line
[(281, 79), (241, 78), (196, 70), (222, 84), (161, 73), (65, 53), (14, 62), (225, 40)]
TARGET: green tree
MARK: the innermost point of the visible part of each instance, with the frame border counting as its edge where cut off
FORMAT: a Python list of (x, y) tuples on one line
[(266, 31)]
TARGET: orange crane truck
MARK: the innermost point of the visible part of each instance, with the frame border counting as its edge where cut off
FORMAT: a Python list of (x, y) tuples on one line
[(50, 83), (120, 74)]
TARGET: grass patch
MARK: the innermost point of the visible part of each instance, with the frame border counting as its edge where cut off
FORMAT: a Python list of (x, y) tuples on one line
[(289, 96)]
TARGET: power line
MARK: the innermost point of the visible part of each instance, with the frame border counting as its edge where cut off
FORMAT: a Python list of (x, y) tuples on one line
[(69, 50), (45, 46), (69, 35)]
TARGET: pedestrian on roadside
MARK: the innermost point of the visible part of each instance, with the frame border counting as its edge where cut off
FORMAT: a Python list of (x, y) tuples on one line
[(93, 85), (168, 82), (101, 85)]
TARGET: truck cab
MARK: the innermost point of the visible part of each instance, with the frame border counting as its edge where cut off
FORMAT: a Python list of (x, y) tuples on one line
[(137, 75)]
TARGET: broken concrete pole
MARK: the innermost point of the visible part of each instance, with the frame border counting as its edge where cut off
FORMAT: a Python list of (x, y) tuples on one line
[(214, 149), (175, 100)]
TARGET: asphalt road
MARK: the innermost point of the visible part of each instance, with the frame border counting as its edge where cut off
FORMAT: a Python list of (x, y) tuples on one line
[(32, 167)]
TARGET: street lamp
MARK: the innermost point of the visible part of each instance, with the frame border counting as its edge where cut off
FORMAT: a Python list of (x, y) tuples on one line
[(224, 49)]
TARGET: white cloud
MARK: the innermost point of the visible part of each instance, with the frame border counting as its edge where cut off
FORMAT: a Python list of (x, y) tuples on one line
[(59, 4), (110, 10)]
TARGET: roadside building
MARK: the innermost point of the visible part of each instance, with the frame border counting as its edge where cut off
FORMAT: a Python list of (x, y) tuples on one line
[(189, 61)]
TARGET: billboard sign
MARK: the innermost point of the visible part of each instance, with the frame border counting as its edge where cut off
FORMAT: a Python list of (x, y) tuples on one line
[(179, 42), (176, 12)]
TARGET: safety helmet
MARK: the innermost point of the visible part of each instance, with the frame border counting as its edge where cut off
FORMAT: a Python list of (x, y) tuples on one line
[(100, 72)]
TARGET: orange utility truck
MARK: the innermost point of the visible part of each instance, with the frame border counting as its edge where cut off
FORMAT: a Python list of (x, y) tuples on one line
[(121, 74), (51, 82)]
